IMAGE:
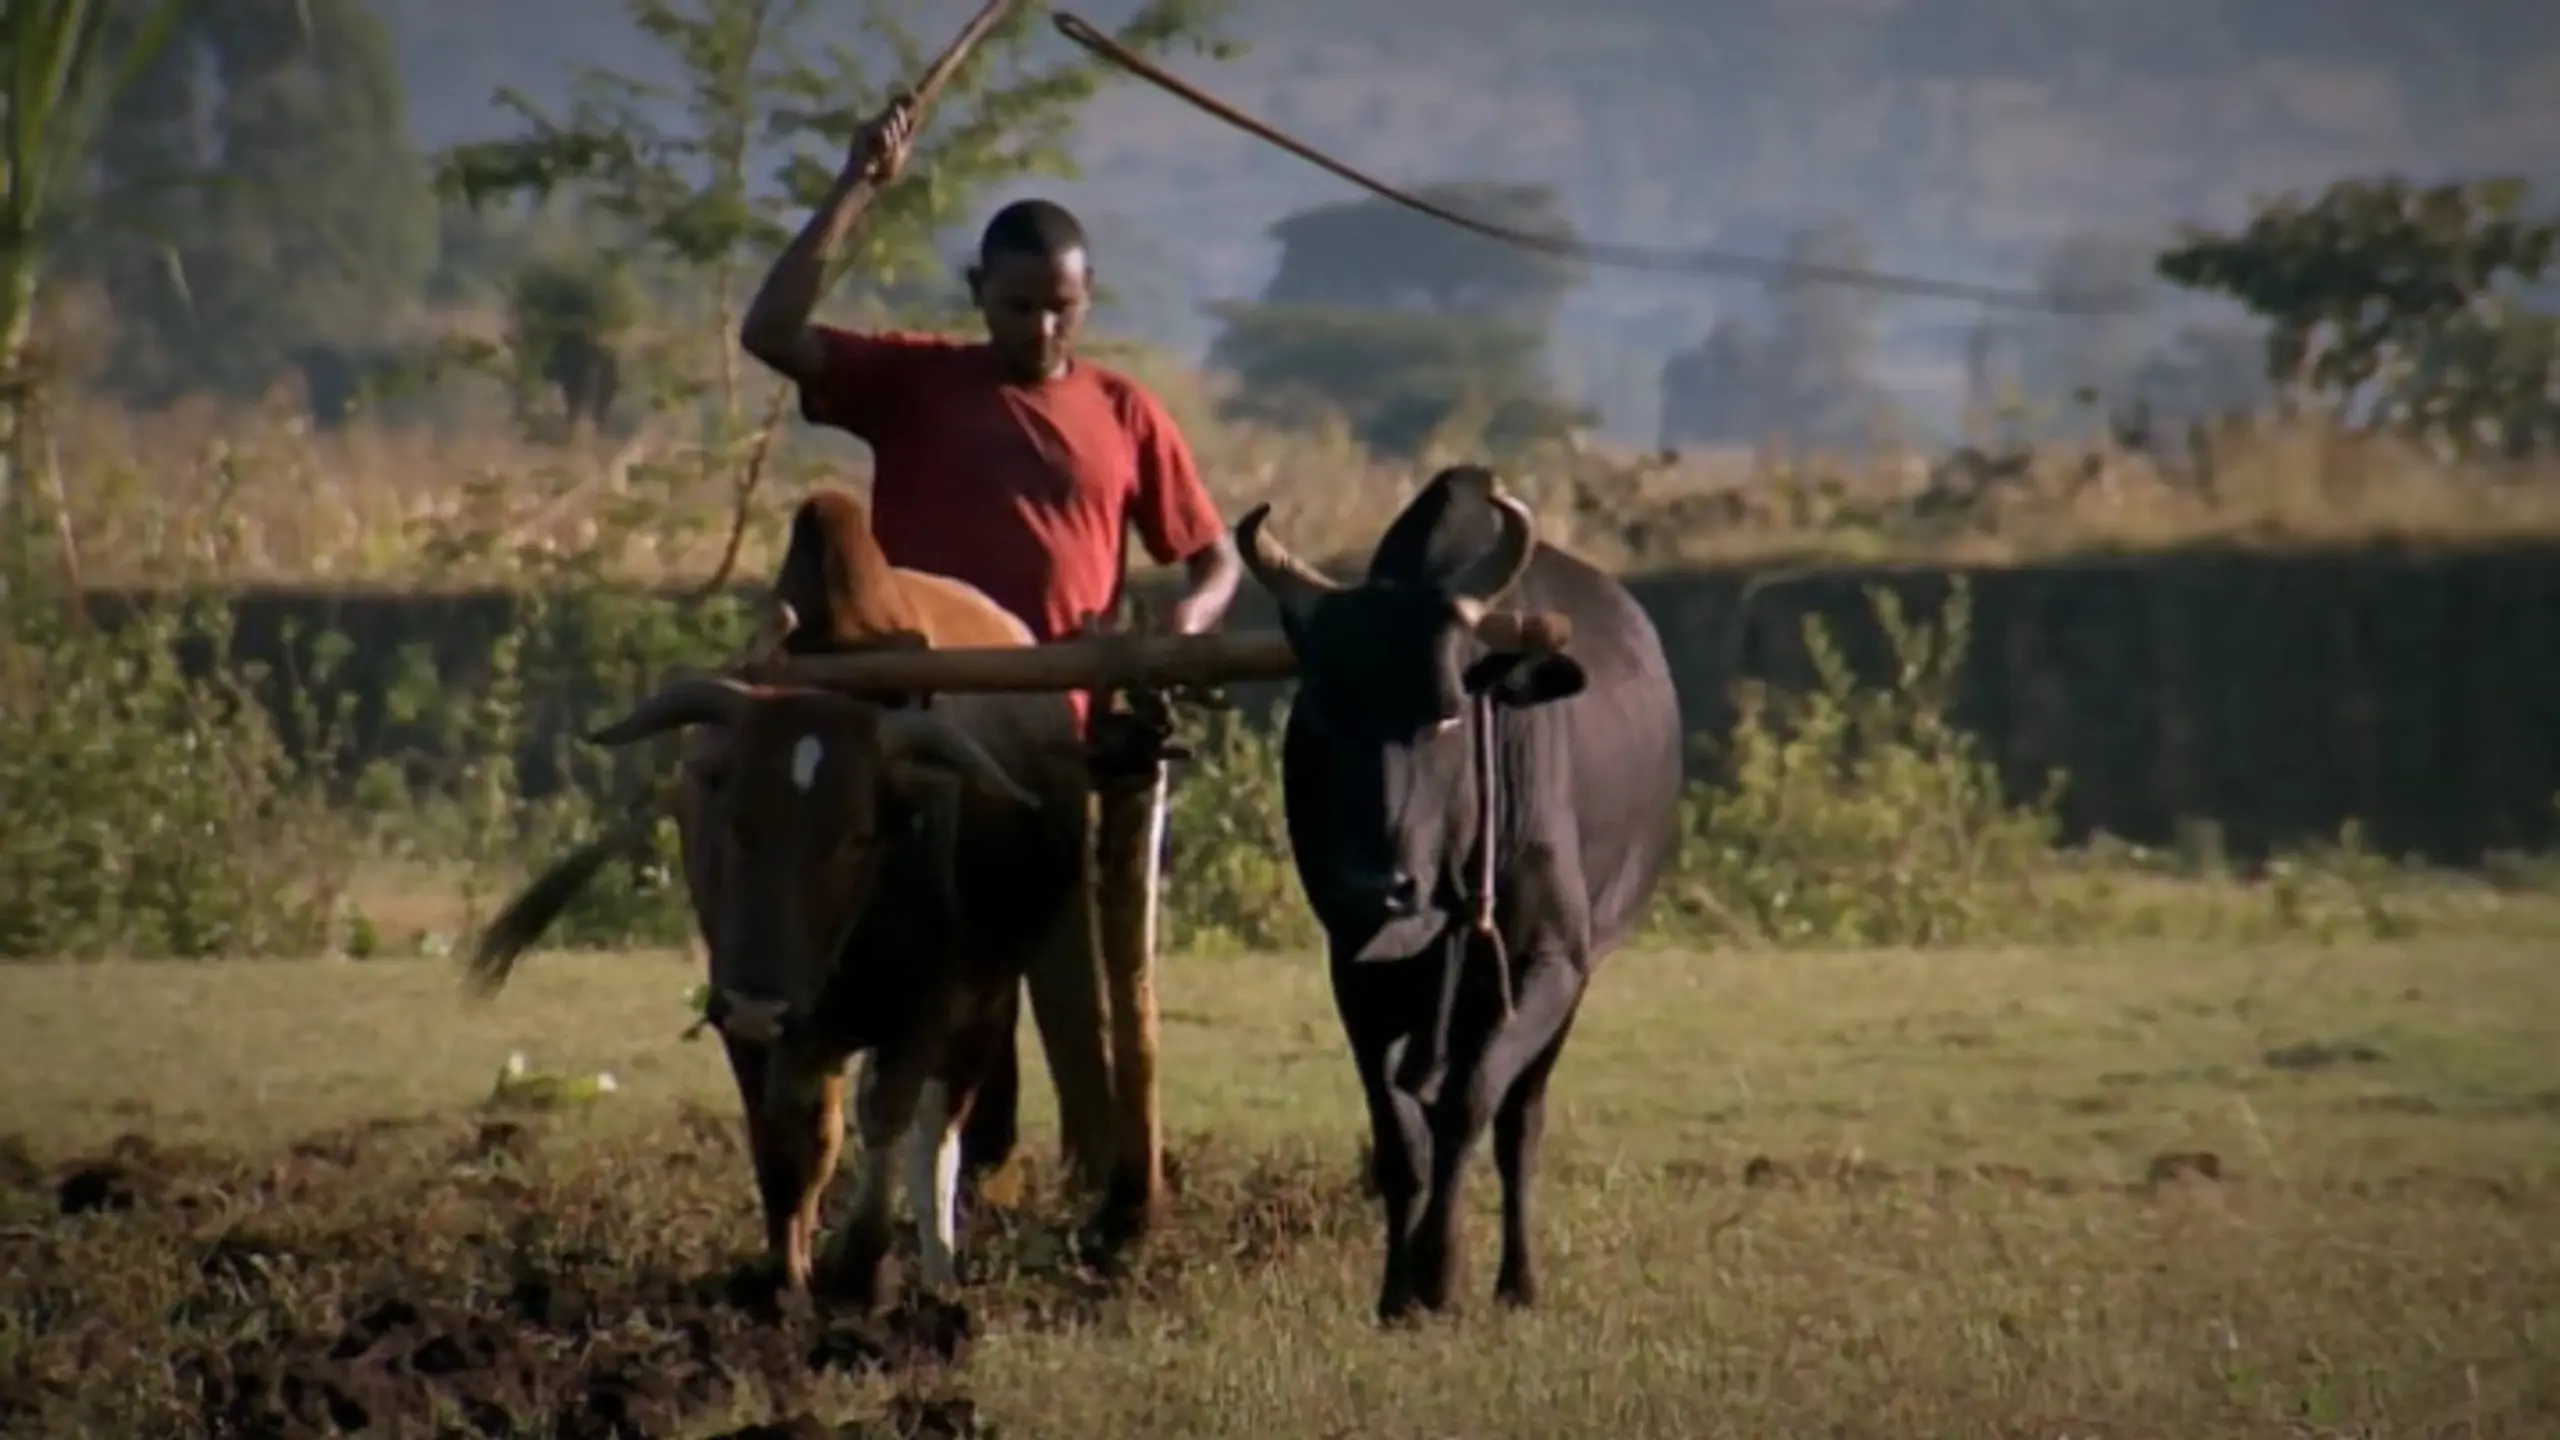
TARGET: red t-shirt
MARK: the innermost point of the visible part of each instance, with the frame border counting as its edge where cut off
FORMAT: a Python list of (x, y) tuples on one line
[(1020, 490)]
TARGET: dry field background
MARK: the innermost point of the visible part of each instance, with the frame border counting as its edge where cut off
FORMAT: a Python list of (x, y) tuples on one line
[(226, 497), (2160, 1191)]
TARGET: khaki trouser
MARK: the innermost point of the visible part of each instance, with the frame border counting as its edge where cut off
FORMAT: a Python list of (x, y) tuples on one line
[(1129, 855), (1097, 1002)]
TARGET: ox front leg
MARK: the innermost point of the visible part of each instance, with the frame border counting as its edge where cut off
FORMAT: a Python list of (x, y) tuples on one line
[(885, 1107), (777, 1190), (1519, 1131), (803, 1135), (1511, 1081), (1399, 1158)]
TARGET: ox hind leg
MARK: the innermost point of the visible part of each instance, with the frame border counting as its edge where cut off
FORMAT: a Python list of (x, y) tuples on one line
[(992, 1133), (935, 1139)]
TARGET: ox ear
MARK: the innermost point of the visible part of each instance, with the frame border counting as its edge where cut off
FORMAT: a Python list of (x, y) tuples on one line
[(1520, 679)]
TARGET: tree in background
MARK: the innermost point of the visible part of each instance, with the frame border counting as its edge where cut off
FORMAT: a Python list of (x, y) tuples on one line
[(63, 65), (569, 315), (283, 220), (689, 189), (2401, 306), (1806, 375), (1404, 326), (682, 184)]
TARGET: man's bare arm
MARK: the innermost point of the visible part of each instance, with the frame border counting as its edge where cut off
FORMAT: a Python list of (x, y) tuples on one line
[(776, 328), (1212, 575)]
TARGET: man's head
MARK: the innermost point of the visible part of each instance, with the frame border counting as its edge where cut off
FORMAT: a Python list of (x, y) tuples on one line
[(1033, 283)]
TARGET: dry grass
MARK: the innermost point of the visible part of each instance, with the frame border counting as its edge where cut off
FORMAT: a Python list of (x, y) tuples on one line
[(1959, 1194), (259, 497)]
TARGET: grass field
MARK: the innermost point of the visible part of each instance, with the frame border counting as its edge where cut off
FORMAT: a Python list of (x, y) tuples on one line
[(2155, 1192)]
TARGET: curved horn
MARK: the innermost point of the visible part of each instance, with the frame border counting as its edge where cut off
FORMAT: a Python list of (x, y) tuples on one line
[(1496, 572), (1293, 582), (684, 700), (922, 735)]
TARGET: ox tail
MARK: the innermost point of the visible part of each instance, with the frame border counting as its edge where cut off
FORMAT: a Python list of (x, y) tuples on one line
[(534, 908)]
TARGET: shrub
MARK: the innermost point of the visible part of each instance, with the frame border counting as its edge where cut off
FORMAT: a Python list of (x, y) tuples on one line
[(163, 804), (150, 812), (1861, 815)]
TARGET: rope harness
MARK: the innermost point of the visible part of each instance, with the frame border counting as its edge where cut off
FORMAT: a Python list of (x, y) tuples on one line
[(1479, 940)]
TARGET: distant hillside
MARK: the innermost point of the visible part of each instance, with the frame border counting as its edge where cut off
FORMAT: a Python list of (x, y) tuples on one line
[(1964, 135)]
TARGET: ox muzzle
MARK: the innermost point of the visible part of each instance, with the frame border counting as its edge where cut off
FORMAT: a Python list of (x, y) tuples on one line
[(747, 1018)]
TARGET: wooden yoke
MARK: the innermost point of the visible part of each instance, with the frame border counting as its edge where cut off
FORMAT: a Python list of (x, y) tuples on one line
[(1099, 662)]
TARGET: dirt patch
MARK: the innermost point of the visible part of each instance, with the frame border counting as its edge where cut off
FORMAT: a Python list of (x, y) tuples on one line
[(2315, 1055), (500, 1278)]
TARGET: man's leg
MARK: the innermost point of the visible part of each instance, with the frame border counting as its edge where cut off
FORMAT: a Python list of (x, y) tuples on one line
[(1129, 846)]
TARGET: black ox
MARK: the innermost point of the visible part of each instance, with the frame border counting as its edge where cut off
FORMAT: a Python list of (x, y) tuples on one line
[(1426, 719)]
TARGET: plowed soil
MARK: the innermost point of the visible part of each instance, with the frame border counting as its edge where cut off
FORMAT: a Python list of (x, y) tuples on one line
[(483, 1278)]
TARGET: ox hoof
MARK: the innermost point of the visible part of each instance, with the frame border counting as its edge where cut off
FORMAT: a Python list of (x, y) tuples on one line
[(858, 1278), (1115, 1233), (1517, 1292), (1399, 1311)]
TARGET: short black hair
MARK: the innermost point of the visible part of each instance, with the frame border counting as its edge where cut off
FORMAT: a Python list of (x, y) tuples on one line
[(1041, 229)]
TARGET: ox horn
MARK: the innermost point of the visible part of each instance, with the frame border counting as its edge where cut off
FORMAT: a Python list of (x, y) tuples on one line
[(685, 700), (1493, 574), (780, 620), (922, 736), (1293, 582)]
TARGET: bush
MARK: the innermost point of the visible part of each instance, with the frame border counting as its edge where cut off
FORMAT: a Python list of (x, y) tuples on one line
[(163, 805), (1861, 815), (150, 813)]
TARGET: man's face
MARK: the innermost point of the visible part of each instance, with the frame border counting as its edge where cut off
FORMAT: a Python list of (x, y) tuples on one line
[(1033, 307)]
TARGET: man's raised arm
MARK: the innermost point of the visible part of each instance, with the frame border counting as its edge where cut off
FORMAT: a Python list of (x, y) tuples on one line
[(776, 329)]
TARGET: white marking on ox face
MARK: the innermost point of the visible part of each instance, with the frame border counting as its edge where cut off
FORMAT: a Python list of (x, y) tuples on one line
[(805, 759)]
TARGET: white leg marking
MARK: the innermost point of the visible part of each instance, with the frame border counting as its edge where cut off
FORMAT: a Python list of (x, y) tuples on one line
[(933, 1180), (805, 758)]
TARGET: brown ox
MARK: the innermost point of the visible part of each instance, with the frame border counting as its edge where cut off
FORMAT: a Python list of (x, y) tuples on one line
[(881, 878)]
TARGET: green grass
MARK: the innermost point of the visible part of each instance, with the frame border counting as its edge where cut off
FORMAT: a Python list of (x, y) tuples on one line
[(1883, 1193)]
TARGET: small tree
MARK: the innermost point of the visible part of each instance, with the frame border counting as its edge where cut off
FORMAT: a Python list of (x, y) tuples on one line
[(568, 319), (1400, 380), (2400, 304), (62, 64), (1807, 374), (684, 192), (1406, 326), (305, 224)]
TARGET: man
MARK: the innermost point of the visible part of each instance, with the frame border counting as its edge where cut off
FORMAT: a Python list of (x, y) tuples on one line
[(1018, 467)]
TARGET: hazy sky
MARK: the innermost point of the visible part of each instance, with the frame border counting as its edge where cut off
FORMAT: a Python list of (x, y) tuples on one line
[(1964, 135)]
